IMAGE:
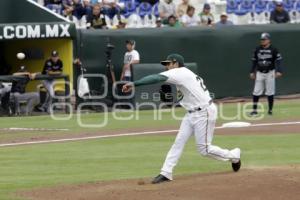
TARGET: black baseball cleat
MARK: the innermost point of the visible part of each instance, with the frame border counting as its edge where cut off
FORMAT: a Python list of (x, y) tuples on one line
[(270, 112), (253, 113), (160, 179), (236, 166)]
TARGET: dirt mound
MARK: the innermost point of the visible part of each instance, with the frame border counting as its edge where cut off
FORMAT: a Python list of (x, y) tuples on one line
[(253, 183)]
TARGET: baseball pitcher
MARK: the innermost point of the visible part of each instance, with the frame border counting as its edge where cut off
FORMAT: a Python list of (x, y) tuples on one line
[(199, 120), (265, 68)]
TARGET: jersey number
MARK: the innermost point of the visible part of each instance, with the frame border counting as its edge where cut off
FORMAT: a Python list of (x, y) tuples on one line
[(201, 83)]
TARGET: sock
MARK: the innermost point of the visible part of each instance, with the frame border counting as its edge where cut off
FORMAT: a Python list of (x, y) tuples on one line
[(271, 102), (255, 101)]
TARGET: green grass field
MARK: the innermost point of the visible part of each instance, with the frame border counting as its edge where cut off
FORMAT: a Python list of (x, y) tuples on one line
[(285, 110), (33, 166)]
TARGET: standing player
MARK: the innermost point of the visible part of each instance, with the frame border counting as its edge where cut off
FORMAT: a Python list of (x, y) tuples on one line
[(53, 66), (131, 57), (265, 68), (199, 120)]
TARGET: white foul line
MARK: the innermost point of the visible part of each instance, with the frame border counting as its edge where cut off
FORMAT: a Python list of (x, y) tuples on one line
[(131, 134), (34, 129)]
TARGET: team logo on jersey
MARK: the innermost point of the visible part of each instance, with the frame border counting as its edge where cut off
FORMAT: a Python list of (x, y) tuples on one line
[(264, 56)]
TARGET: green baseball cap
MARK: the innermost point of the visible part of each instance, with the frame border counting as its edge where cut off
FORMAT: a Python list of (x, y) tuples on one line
[(174, 58)]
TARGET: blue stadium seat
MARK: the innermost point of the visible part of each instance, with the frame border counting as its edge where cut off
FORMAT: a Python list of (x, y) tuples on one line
[(232, 6), (271, 6), (145, 9), (111, 12), (155, 10), (260, 6), (55, 8), (288, 5), (238, 1), (137, 2), (130, 8), (246, 6), (297, 7)]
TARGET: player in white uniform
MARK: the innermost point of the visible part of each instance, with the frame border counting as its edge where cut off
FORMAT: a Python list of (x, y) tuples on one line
[(199, 120)]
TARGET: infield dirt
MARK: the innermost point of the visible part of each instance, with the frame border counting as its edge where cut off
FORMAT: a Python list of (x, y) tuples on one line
[(270, 183)]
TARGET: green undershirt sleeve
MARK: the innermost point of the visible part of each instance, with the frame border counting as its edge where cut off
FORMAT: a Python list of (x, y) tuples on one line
[(151, 79)]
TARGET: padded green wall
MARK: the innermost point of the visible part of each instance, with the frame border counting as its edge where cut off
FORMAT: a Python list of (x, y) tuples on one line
[(223, 55)]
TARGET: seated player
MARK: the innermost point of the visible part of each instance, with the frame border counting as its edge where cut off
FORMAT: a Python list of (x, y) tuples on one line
[(19, 94)]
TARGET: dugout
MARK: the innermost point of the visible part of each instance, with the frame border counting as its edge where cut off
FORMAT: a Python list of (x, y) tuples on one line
[(27, 27)]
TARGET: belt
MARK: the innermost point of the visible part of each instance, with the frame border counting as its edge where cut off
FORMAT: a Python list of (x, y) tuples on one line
[(265, 71), (199, 108)]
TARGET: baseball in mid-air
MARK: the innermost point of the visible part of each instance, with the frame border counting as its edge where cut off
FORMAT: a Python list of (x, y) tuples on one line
[(20, 56)]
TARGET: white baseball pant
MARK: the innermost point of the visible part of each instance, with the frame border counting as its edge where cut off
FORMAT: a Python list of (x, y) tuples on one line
[(201, 124), (264, 82)]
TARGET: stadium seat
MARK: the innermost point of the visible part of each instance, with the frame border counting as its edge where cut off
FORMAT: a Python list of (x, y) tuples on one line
[(245, 19), (293, 16), (238, 1), (149, 21), (108, 21), (155, 10), (262, 18), (232, 17), (245, 7), (145, 9), (288, 5), (260, 6), (134, 21), (111, 12), (232, 6), (252, 19), (130, 8), (297, 6), (55, 8), (271, 6), (81, 23), (115, 21)]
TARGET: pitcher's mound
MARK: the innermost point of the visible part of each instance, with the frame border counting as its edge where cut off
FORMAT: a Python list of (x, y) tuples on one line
[(252, 183)]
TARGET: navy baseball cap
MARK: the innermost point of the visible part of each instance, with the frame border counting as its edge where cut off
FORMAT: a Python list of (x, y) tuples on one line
[(22, 69), (132, 42), (265, 36), (206, 6), (54, 53), (279, 3), (174, 58)]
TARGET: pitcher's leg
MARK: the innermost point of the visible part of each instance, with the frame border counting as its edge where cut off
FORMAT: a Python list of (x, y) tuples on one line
[(204, 131), (177, 148)]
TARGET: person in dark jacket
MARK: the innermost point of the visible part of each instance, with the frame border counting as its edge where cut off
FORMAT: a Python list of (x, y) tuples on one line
[(18, 92), (266, 67), (53, 66), (279, 15)]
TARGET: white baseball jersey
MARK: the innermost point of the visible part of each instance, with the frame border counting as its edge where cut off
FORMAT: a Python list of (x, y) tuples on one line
[(195, 93), (200, 123), (128, 58)]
